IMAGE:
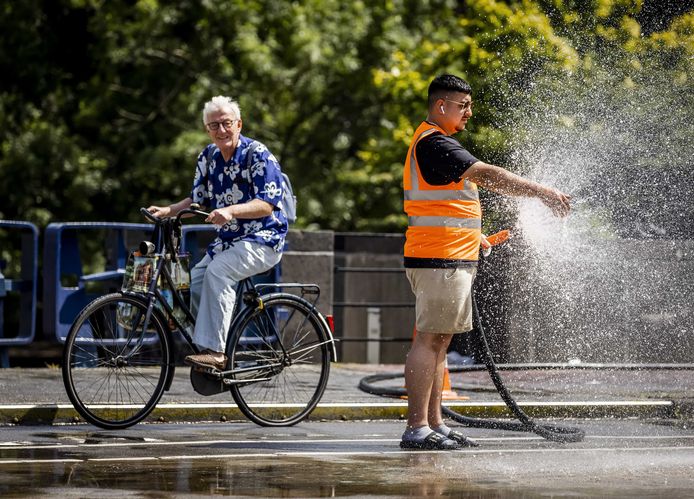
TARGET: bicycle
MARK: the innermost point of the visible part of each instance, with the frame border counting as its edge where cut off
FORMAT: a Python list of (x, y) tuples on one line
[(119, 355)]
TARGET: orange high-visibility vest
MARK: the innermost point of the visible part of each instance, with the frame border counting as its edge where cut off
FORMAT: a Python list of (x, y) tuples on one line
[(444, 221)]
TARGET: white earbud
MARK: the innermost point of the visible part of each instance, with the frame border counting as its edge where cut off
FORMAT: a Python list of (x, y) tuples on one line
[(442, 111)]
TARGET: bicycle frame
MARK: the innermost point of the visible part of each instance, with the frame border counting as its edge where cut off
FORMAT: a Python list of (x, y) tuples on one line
[(154, 295)]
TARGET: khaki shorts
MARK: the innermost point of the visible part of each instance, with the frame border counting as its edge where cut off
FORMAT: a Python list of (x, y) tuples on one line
[(443, 299)]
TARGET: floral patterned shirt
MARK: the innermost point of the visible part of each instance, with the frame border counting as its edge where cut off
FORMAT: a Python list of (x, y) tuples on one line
[(220, 183)]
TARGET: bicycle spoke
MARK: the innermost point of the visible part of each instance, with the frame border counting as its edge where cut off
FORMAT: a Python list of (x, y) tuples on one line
[(306, 351), (96, 328)]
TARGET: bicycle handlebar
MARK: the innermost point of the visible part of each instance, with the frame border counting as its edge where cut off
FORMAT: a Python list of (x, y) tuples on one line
[(149, 216), (194, 209)]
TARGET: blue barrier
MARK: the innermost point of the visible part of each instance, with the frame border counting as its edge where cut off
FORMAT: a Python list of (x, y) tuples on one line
[(66, 286), (195, 238), (25, 286)]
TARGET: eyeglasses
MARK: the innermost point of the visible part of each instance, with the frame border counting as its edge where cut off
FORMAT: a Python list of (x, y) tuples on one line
[(214, 125), (463, 106)]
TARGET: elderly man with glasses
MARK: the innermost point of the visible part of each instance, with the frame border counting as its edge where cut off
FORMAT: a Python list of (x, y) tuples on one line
[(240, 181)]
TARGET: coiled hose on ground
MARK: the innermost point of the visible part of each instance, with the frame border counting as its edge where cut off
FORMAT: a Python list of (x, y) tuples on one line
[(554, 433)]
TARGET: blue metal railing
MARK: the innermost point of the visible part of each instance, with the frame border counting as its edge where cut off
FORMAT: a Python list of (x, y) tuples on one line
[(70, 278), (24, 287)]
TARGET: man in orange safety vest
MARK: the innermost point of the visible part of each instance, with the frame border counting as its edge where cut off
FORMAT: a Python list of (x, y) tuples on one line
[(442, 246)]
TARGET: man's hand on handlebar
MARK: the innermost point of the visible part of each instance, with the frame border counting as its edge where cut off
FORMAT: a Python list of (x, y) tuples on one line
[(220, 216), (180, 210), (160, 211)]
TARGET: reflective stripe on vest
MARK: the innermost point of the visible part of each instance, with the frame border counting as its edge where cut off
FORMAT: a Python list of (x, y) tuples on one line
[(444, 220), (433, 221), (464, 195)]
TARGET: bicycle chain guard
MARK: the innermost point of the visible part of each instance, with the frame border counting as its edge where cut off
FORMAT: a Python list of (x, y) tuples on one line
[(207, 384)]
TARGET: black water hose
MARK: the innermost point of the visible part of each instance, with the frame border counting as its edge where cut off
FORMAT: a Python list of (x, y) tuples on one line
[(554, 433)]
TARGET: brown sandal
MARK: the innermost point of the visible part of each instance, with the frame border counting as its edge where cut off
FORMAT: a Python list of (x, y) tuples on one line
[(206, 359)]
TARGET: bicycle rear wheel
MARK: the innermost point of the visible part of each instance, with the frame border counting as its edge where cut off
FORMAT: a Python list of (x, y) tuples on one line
[(280, 353), (114, 371)]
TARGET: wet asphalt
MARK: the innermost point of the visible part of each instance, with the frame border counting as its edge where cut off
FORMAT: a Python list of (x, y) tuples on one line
[(638, 424), (618, 458)]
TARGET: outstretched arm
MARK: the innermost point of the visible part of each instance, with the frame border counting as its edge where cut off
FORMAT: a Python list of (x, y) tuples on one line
[(503, 181)]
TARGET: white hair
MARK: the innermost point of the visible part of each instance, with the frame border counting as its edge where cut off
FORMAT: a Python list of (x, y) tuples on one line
[(221, 103)]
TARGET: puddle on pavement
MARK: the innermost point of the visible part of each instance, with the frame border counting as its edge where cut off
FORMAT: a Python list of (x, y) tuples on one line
[(406, 475), (267, 477), (92, 437)]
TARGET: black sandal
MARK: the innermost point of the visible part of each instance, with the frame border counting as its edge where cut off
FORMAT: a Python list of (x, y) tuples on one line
[(461, 439), (433, 441)]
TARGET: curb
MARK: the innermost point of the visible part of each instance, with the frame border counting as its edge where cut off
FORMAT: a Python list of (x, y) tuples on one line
[(49, 414)]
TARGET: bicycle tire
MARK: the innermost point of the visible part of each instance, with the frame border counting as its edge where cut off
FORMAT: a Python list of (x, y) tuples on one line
[(294, 377), (113, 382)]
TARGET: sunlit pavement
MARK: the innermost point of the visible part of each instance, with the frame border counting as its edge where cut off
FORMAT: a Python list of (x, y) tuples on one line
[(37, 396)]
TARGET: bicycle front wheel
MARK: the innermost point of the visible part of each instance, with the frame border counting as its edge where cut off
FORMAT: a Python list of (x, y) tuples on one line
[(280, 358), (115, 371)]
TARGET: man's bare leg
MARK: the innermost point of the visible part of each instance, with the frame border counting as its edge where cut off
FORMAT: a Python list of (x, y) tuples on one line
[(434, 415), (434, 408), (422, 374)]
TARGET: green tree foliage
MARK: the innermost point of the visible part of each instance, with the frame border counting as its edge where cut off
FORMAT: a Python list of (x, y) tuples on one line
[(48, 170), (101, 100)]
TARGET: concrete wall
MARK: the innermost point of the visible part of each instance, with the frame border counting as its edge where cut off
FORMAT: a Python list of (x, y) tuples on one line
[(309, 258), (372, 304), (631, 301)]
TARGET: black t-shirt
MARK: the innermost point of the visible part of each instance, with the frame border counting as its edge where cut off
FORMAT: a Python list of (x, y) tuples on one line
[(442, 160)]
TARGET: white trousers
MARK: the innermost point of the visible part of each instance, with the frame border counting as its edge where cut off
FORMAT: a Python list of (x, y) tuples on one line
[(213, 283)]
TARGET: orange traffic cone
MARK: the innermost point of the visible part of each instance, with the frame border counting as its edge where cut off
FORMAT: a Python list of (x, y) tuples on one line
[(447, 393)]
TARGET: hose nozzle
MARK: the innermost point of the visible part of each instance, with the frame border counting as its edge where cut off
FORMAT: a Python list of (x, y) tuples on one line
[(495, 239)]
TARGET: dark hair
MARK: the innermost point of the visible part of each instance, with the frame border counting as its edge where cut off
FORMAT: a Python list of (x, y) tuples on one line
[(445, 83)]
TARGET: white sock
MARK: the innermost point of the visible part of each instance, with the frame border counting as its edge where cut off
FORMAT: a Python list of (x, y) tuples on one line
[(443, 429), (416, 434)]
